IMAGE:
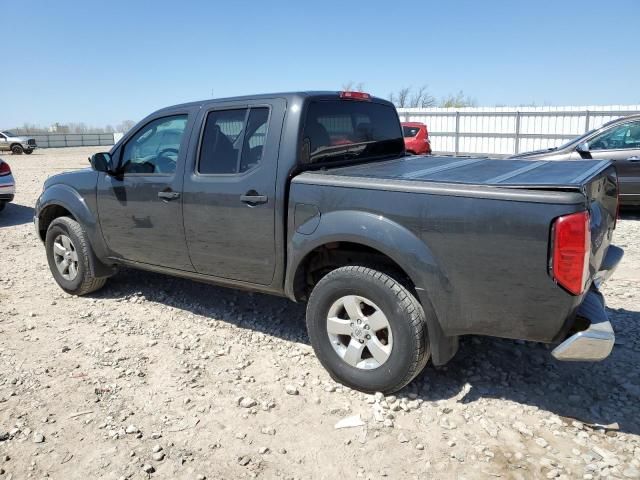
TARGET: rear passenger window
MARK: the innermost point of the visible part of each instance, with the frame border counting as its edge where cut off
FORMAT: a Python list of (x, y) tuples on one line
[(233, 140)]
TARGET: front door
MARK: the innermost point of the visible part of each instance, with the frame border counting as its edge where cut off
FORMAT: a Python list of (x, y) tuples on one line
[(230, 192), (622, 145), (4, 143), (140, 212)]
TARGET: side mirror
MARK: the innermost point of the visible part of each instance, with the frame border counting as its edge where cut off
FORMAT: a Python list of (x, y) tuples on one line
[(101, 162), (582, 147)]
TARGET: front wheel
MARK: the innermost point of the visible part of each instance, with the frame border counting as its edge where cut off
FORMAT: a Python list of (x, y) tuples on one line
[(29, 151), (367, 329), (68, 255), (17, 149)]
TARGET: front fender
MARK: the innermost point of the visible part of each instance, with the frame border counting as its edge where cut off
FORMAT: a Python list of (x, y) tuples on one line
[(61, 195), (399, 244)]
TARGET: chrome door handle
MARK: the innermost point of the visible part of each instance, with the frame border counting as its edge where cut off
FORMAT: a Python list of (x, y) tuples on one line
[(168, 195), (635, 158), (253, 198)]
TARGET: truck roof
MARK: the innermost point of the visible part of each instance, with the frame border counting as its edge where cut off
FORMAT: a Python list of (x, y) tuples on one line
[(289, 96)]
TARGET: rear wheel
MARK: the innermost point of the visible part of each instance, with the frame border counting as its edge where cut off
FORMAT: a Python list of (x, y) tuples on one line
[(367, 330), (2, 205), (68, 254), (17, 149)]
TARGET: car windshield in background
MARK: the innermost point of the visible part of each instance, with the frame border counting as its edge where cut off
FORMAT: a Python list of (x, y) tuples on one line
[(341, 130), (410, 131), (7, 133)]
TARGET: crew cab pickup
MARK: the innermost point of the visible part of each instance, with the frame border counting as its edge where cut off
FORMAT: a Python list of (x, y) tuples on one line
[(311, 196)]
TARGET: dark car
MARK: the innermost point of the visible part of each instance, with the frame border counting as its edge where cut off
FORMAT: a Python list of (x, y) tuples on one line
[(310, 195), (618, 140), (416, 138)]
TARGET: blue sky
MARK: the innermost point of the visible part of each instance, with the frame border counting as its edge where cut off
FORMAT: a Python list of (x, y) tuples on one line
[(104, 62)]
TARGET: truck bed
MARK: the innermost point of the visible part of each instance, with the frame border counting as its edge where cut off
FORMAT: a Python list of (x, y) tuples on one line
[(548, 175)]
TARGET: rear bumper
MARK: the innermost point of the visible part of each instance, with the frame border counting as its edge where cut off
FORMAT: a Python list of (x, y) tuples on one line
[(596, 342)]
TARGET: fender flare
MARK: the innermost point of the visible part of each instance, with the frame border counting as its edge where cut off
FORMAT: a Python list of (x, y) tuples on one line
[(400, 245), (64, 196)]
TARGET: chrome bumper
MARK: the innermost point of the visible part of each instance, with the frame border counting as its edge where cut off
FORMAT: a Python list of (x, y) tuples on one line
[(596, 342)]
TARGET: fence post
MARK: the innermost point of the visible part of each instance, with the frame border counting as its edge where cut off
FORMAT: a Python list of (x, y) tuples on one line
[(586, 121), (457, 147), (517, 145)]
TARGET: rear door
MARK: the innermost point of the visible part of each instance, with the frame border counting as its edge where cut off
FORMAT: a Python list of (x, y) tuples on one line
[(622, 145), (229, 191)]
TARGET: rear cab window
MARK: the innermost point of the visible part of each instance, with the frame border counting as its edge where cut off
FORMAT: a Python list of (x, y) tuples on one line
[(346, 131)]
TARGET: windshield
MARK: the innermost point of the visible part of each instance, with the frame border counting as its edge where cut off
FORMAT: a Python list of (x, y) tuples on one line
[(8, 133), (410, 131), (576, 140), (340, 130)]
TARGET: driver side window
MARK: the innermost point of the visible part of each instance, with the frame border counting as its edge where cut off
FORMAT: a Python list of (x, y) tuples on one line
[(625, 136), (155, 148)]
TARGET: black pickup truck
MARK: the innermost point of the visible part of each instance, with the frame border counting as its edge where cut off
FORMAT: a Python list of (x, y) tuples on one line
[(310, 196)]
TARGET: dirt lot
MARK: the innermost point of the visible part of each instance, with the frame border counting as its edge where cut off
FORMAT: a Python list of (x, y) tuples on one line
[(162, 377)]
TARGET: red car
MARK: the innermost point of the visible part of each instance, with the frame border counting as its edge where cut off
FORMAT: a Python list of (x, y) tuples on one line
[(416, 138)]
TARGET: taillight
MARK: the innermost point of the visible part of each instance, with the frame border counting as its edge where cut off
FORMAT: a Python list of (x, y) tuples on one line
[(355, 96), (4, 169), (571, 237)]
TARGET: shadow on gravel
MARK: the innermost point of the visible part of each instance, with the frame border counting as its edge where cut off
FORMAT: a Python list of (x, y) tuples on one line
[(628, 213), (14, 214), (521, 372)]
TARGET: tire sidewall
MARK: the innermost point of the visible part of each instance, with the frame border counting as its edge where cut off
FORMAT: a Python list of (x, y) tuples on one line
[(17, 149), (56, 228), (405, 344)]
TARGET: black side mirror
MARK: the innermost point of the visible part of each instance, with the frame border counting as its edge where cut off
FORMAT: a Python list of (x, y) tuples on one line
[(582, 147), (101, 162)]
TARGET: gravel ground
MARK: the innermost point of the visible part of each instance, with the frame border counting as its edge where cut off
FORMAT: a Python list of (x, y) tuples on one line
[(166, 378)]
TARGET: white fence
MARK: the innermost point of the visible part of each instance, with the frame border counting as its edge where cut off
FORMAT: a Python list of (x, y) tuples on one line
[(503, 131)]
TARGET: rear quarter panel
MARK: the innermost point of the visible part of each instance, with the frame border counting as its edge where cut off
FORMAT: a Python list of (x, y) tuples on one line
[(488, 272)]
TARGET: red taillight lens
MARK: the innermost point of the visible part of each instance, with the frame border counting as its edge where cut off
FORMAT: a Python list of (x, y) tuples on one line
[(571, 251), (4, 168), (355, 96)]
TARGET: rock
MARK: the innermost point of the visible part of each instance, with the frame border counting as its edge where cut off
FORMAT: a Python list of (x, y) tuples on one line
[(542, 442), (349, 422), (131, 429), (631, 472), (247, 402), (4, 436), (38, 437), (553, 473), (148, 468), (523, 429), (201, 477), (291, 390), (282, 451), (244, 460), (402, 438), (263, 450), (156, 449), (65, 349), (158, 456), (419, 446)]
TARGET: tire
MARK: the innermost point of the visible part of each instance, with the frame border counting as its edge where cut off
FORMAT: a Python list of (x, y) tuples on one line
[(407, 346), (29, 151), (2, 205), (17, 149), (83, 281)]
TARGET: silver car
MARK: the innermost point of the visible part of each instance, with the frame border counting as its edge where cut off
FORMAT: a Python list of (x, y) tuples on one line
[(7, 184), (618, 140)]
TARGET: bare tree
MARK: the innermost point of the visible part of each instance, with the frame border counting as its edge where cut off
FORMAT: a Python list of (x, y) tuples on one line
[(403, 97), (352, 86), (421, 98), (125, 126)]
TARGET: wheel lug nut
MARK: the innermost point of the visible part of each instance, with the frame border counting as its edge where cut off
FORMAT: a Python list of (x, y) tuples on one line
[(352, 324), (361, 341), (368, 337), (359, 321), (366, 327)]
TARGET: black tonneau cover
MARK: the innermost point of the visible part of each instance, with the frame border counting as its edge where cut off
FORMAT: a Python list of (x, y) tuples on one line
[(515, 173)]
